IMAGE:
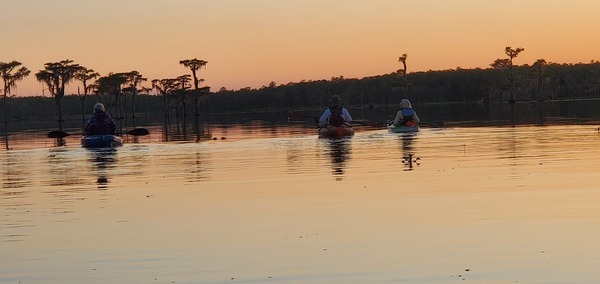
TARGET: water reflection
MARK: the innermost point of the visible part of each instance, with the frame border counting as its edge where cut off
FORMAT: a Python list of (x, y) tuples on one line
[(295, 154), (15, 174), (15, 197), (248, 201), (409, 160), (406, 141), (27, 135), (60, 142), (63, 167), (339, 150), (133, 160), (102, 160), (178, 131), (194, 164)]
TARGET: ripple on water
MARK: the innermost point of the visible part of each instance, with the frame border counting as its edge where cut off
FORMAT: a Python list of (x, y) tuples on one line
[(486, 198)]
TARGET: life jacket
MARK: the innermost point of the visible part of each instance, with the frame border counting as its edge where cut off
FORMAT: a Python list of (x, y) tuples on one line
[(407, 116), (100, 124), (99, 129), (335, 116)]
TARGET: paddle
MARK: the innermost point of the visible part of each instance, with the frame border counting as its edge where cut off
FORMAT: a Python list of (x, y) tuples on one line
[(138, 132), (369, 123), (57, 134), (364, 122), (437, 124), (293, 115), (134, 132)]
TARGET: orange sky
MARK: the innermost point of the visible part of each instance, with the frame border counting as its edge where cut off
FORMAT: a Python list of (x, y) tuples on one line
[(249, 43)]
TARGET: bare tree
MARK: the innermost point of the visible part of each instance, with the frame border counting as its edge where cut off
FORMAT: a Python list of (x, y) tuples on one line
[(538, 68), (402, 59)]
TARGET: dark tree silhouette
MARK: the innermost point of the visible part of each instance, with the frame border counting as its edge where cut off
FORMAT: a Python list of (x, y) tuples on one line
[(181, 91), (56, 75), (194, 65), (402, 59), (111, 85), (10, 73), (165, 88), (134, 80), (508, 63), (538, 68), (84, 75)]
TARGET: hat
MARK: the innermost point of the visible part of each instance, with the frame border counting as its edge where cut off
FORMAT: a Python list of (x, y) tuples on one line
[(405, 103), (99, 106)]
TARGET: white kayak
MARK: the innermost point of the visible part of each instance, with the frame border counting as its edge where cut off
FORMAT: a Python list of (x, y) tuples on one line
[(402, 128)]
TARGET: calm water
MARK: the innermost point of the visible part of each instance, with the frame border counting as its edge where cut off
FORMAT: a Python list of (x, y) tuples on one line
[(279, 205)]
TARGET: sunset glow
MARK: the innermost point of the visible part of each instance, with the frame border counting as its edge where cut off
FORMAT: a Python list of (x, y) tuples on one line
[(250, 43)]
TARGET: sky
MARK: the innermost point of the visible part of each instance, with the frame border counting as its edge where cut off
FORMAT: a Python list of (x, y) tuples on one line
[(250, 43)]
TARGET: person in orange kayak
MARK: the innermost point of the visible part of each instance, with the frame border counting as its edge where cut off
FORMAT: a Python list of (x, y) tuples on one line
[(100, 123), (406, 116), (335, 115)]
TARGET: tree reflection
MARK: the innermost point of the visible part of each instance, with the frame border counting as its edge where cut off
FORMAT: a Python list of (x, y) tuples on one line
[(63, 167), (14, 173)]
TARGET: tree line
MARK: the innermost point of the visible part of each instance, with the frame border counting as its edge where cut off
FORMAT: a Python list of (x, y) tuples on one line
[(115, 87), (179, 97)]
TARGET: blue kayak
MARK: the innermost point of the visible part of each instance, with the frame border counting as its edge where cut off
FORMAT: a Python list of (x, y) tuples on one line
[(101, 141)]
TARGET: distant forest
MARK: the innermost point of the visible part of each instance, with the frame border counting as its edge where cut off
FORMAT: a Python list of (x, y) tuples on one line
[(537, 82)]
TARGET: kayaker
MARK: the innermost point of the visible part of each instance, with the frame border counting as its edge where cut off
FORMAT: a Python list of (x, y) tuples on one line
[(335, 115), (100, 123), (406, 116)]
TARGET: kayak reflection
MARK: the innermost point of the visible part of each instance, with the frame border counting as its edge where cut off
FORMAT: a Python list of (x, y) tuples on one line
[(339, 150), (409, 160), (103, 160)]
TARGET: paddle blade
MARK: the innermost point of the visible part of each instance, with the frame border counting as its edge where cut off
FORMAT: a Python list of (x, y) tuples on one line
[(365, 122), (57, 134), (292, 115), (438, 124), (296, 115), (138, 132)]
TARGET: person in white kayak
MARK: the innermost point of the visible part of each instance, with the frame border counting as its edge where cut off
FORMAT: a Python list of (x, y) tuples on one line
[(406, 116), (335, 115)]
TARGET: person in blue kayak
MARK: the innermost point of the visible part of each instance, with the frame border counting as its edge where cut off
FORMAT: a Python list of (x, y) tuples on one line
[(335, 115), (406, 116), (100, 123)]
